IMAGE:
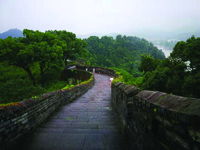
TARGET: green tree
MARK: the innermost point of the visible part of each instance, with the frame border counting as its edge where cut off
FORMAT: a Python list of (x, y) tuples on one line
[(45, 51), (72, 47), (179, 73), (17, 54), (47, 57), (155, 80), (191, 86), (189, 52), (148, 63), (35, 47)]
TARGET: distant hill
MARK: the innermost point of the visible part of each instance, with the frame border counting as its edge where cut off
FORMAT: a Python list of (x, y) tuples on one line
[(85, 36), (185, 36), (156, 36), (11, 32)]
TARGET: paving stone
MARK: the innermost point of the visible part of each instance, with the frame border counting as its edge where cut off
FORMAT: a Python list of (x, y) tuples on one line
[(87, 123), (95, 141)]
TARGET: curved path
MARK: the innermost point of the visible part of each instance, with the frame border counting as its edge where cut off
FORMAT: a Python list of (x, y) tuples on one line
[(85, 124)]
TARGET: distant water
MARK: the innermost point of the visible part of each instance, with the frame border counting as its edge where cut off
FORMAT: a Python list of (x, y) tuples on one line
[(166, 51)]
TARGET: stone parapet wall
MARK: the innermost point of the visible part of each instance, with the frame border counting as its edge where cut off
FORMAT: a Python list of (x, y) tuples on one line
[(16, 121), (156, 120), (152, 120)]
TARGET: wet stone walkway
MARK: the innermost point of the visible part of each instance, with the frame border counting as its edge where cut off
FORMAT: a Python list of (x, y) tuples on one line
[(87, 123)]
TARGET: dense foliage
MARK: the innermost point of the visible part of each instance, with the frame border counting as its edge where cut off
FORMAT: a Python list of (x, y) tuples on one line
[(126, 77), (123, 52), (29, 65), (179, 74), (16, 85)]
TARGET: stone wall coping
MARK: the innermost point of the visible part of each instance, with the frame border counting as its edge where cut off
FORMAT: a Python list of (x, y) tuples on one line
[(172, 102)]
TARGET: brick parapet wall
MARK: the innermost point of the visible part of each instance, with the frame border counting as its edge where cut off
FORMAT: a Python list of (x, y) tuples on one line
[(19, 120), (148, 119), (153, 120), (156, 120)]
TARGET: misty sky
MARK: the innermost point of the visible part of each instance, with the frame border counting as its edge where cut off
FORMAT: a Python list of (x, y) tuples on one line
[(101, 16)]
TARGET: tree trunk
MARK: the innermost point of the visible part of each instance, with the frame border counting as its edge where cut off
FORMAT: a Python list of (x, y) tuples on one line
[(65, 61), (30, 75), (42, 75)]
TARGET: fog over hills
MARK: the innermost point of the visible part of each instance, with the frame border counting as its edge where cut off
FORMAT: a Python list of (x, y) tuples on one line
[(151, 36), (157, 38)]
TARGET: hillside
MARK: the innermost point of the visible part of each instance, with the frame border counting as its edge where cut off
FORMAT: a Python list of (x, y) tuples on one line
[(122, 52), (11, 32)]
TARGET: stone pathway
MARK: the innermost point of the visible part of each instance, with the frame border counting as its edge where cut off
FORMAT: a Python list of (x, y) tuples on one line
[(87, 123)]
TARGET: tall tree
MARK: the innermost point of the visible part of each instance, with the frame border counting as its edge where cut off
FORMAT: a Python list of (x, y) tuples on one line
[(17, 54), (72, 47), (45, 50), (188, 52), (179, 73), (148, 63), (35, 47)]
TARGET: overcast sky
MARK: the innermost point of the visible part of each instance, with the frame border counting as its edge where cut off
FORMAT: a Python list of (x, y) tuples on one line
[(101, 16)]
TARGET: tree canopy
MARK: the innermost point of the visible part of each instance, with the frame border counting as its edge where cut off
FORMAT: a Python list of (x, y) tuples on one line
[(148, 63), (47, 49), (178, 74), (72, 47)]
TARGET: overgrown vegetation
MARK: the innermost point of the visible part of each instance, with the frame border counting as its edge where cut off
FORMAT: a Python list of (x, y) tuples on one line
[(126, 77)]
